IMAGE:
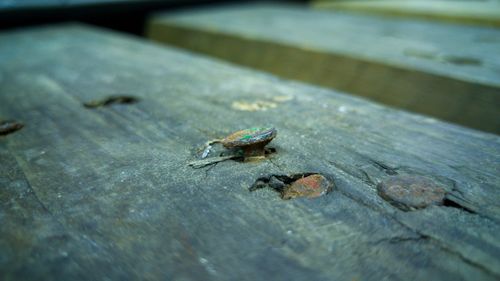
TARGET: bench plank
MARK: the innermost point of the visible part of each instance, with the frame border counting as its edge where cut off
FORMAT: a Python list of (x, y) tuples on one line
[(465, 12), (409, 64), (112, 194)]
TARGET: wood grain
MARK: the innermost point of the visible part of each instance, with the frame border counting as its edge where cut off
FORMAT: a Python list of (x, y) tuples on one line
[(106, 193), (486, 13), (446, 71)]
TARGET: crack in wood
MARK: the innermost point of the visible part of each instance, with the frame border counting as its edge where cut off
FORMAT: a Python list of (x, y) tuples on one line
[(436, 241), (401, 239), (209, 168), (33, 192), (121, 99), (384, 167), (449, 201)]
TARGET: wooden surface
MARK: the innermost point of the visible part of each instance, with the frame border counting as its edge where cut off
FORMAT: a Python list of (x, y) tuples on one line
[(449, 72), (485, 12), (106, 193)]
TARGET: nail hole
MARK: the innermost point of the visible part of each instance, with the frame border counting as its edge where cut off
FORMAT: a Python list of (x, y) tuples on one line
[(9, 127), (461, 60), (111, 100), (309, 185)]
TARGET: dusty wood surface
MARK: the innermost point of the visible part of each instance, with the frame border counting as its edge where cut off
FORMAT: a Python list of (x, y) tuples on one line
[(446, 71), (486, 12), (106, 193)]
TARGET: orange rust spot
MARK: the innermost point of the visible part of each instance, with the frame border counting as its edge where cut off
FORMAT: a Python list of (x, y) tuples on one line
[(312, 181), (311, 186)]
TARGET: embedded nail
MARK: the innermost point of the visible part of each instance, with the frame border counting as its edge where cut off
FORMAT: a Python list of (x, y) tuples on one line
[(251, 141), (311, 187), (411, 192)]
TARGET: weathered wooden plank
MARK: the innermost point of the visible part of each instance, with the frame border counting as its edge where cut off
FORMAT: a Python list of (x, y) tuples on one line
[(467, 12), (115, 179), (409, 64), (34, 244)]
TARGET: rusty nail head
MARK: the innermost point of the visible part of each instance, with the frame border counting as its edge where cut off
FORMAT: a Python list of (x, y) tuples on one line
[(411, 192), (311, 186), (252, 141)]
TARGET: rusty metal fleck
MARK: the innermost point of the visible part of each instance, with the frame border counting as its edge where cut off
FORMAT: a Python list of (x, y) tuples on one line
[(9, 126), (111, 100), (252, 141), (311, 187), (308, 185), (411, 192)]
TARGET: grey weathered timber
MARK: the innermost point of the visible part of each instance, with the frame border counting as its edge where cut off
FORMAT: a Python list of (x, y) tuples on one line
[(447, 71), (106, 193), (485, 12)]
